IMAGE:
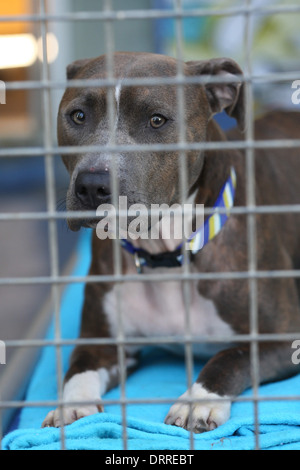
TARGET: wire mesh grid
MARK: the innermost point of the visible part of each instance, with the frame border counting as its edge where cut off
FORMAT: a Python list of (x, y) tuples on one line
[(107, 16)]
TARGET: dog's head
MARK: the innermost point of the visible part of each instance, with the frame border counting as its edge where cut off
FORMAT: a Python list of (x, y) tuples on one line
[(146, 114)]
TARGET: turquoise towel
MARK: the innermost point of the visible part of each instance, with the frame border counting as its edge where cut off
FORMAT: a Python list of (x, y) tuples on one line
[(161, 375)]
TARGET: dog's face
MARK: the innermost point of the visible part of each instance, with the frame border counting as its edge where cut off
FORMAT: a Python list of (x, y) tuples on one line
[(141, 115)]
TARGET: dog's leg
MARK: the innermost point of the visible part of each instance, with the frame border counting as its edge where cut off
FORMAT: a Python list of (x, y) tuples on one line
[(86, 381), (229, 372), (93, 370), (225, 376)]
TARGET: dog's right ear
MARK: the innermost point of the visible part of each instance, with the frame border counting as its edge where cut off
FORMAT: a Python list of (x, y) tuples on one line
[(74, 67)]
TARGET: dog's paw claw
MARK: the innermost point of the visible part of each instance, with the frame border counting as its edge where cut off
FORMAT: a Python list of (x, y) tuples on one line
[(205, 415), (67, 415), (211, 425)]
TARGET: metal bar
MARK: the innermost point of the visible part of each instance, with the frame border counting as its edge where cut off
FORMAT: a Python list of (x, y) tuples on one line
[(156, 340), (234, 145), (238, 275), (251, 222), (274, 77), (182, 169), (153, 14), (112, 118), (128, 401), (51, 205), (242, 210)]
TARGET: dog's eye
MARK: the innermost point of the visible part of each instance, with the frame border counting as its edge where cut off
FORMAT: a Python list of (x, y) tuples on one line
[(78, 116), (157, 120)]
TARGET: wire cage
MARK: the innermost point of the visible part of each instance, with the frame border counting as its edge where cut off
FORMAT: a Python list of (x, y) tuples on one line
[(107, 18)]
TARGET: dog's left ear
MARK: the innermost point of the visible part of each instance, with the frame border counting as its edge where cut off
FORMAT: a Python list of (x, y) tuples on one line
[(227, 95)]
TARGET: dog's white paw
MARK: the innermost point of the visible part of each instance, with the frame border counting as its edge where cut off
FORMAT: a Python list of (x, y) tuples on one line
[(67, 415), (205, 415), (82, 387)]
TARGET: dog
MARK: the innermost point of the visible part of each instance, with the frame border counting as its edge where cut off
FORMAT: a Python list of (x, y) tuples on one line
[(150, 115)]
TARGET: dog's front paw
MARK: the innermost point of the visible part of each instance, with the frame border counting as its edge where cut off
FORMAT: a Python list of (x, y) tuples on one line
[(205, 415), (67, 415)]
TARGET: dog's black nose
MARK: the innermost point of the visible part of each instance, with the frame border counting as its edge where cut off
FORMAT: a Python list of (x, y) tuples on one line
[(93, 188)]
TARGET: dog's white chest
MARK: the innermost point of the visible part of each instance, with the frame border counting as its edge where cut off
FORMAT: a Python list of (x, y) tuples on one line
[(158, 309)]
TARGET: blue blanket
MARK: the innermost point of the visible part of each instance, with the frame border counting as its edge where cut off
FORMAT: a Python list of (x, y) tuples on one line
[(161, 375)]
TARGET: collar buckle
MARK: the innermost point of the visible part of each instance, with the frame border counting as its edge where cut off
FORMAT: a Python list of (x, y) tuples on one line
[(137, 263)]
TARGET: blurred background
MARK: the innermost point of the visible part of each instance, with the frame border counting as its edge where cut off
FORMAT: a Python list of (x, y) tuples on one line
[(24, 245)]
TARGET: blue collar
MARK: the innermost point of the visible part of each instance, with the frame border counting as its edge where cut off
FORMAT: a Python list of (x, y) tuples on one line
[(211, 227)]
